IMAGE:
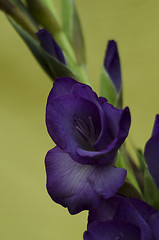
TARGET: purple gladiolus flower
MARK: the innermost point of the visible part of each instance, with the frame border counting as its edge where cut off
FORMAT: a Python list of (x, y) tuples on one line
[(88, 132), (123, 219), (50, 45), (152, 152)]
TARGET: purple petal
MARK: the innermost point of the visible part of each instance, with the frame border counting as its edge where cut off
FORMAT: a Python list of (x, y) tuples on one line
[(145, 210), (61, 114), (154, 224), (106, 211), (128, 214), (119, 123), (112, 64), (119, 120), (132, 211), (107, 180), (50, 45), (152, 152), (86, 92), (152, 157), (156, 126), (102, 100), (112, 230), (61, 86), (79, 186), (64, 86)]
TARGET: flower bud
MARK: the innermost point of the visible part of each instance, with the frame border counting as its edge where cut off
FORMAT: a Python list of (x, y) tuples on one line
[(111, 82), (11, 9), (43, 15)]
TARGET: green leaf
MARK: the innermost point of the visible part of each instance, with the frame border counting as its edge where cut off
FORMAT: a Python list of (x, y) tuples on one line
[(151, 192), (107, 88), (72, 29)]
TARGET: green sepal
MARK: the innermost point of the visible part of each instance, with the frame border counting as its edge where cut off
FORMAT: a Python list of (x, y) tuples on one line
[(25, 10), (72, 29), (107, 88), (128, 190), (141, 159), (57, 68), (151, 192), (123, 162), (51, 65)]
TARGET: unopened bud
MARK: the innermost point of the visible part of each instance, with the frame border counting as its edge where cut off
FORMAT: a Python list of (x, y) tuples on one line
[(19, 17)]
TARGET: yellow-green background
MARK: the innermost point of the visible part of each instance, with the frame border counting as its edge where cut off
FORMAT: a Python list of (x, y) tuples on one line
[(26, 210)]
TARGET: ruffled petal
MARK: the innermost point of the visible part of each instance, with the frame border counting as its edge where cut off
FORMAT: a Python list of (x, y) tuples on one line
[(106, 154), (145, 210), (61, 86), (118, 121), (65, 86), (112, 64), (112, 230), (86, 92), (107, 180), (62, 114), (50, 45), (127, 213), (79, 186), (122, 210), (106, 211)]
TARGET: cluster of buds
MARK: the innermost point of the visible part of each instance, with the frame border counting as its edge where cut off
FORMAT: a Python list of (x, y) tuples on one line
[(90, 167), (29, 17)]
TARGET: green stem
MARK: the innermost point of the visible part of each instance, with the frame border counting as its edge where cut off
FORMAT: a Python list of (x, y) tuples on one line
[(50, 5), (123, 162)]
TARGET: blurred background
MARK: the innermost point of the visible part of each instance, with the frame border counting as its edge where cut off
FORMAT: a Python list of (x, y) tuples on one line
[(27, 212)]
